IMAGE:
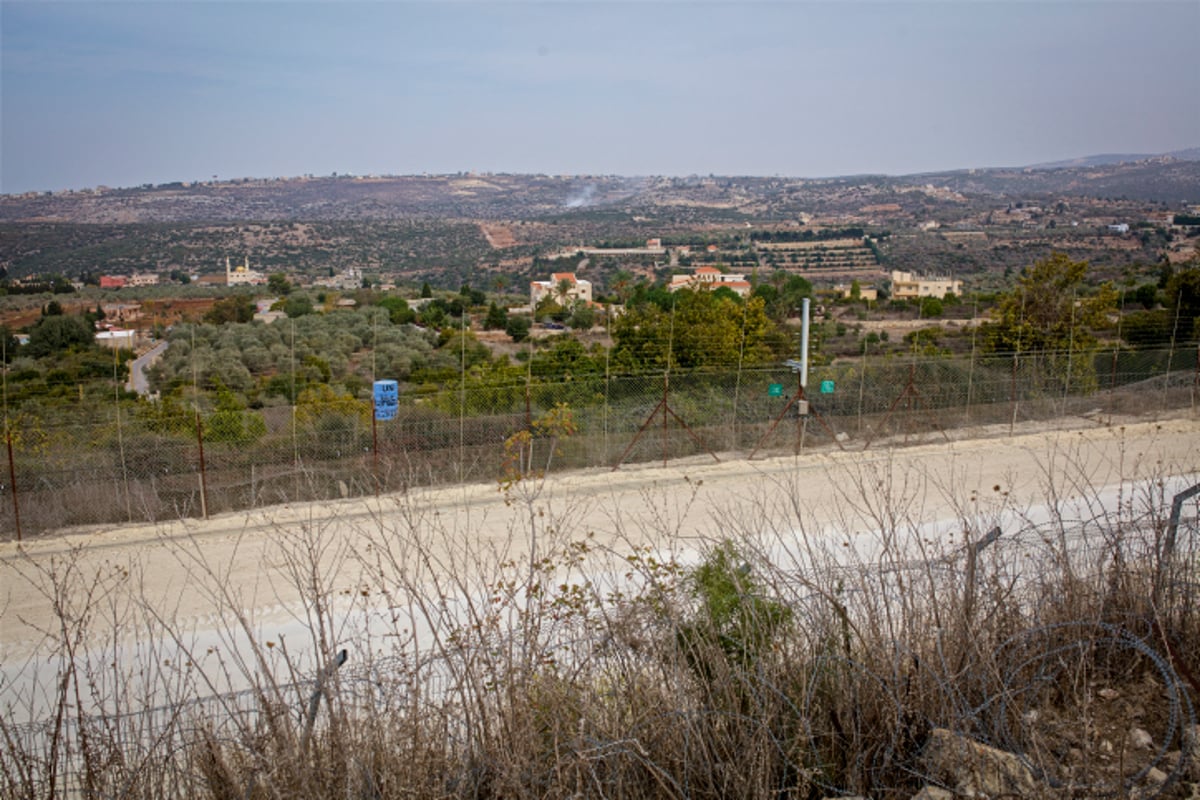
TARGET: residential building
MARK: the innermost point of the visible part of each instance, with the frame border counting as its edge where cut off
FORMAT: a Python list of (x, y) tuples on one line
[(907, 286), (710, 278), (563, 287), (112, 281), (346, 280), (868, 293), (143, 279), (116, 339)]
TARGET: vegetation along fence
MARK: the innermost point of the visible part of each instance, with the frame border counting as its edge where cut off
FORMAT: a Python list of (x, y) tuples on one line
[(129, 461)]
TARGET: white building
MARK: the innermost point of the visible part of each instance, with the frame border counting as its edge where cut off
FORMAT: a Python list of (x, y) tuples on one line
[(116, 339), (710, 278), (563, 287), (142, 279), (243, 275), (346, 280), (907, 286)]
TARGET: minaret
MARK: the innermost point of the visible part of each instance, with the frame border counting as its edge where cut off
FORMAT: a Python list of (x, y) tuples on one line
[(228, 272)]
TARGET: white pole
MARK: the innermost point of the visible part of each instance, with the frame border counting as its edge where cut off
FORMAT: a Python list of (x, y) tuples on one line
[(804, 343)]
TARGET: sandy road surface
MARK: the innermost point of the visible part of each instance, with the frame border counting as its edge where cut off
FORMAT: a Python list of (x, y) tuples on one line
[(183, 569)]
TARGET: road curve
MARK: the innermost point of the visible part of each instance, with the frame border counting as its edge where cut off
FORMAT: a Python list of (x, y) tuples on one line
[(137, 370)]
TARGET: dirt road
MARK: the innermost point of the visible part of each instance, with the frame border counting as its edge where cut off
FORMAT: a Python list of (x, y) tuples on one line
[(193, 571)]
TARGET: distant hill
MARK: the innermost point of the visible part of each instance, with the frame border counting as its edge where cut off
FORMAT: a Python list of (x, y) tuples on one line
[(1107, 159), (1172, 179), (1169, 179)]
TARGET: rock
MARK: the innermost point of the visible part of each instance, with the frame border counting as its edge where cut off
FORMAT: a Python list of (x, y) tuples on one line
[(842, 436), (1155, 775), (1191, 752), (975, 769), (1109, 694), (1140, 739), (933, 793)]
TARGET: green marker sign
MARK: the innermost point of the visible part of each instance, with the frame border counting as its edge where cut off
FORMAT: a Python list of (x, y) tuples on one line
[(775, 390), (826, 387)]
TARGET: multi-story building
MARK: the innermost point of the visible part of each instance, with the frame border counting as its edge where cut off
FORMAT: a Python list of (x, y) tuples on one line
[(907, 286), (143, 279), (563, 287), (346, 280), (710, 278)]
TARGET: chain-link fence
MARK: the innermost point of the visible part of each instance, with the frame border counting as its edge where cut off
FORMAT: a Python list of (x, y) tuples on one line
[(129, 461)]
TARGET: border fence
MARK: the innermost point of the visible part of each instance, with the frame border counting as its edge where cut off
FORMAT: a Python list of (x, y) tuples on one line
[(139, 462)]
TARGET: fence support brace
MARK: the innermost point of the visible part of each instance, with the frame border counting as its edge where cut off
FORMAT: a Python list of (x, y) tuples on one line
[(314, 701), (1176, 513)]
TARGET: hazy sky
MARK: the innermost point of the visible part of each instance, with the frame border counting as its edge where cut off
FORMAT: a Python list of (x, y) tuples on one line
[(127, 93)]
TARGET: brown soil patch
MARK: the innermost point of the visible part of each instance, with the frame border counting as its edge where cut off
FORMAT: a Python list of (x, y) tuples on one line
[(498, 236)]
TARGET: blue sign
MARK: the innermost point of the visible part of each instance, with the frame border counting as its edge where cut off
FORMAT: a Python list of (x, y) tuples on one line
[(387, 400), (826, 387)]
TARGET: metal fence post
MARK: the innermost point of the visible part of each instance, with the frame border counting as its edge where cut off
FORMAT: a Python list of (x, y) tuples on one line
[(12, 477), (203, 476)]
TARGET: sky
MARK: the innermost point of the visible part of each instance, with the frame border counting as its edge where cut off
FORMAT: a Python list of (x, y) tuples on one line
[(122, 94)]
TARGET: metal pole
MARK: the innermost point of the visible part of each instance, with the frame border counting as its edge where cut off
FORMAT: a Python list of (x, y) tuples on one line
[(374, 446), (1171, 352), (203, 477), (314, 701), (804, 343), (12, 478)]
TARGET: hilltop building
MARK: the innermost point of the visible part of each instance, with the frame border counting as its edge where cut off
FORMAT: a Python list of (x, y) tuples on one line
[(563, 287), (846, 292), (346, 280), (143, 279), (907, 286), (243, 275), (710, 278)]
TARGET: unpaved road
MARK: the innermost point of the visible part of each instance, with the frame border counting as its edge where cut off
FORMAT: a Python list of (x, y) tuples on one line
[(195, 572)]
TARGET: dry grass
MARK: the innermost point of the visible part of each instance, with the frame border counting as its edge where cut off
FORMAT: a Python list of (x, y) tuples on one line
[(789, 658)]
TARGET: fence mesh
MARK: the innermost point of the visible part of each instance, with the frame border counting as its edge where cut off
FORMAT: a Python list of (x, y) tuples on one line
[(122, 460)]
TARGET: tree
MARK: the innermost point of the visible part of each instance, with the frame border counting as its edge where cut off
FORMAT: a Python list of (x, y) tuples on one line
[(9, 344), (1051, 312), (426, 291), (1048, 309), (471, 296), (931, 307), (278, 283), (1183, 299), (297, 305), (1147, 295), (230, 422), (563, 291), (58, 334), (622, 284), (702, 330), (398, 311), (495, 319), (583, 317), (235, 308), (517, 327)]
